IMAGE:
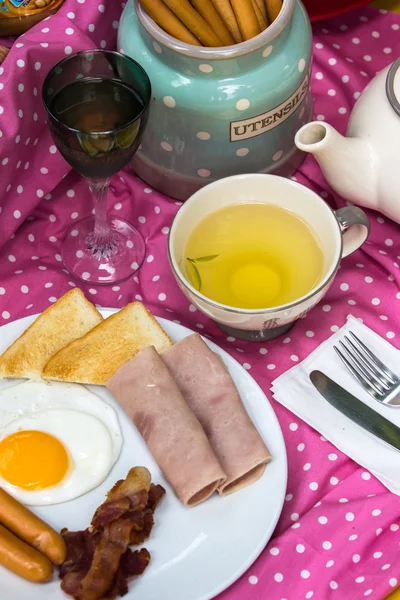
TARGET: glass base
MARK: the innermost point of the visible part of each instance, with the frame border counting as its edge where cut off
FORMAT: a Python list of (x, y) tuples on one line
[(256, 336), (122, 262)]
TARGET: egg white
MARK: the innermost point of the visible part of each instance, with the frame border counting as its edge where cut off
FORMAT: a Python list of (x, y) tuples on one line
[(86, 425)]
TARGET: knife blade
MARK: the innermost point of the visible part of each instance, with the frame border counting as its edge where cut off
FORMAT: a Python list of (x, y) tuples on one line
[(357, 411)]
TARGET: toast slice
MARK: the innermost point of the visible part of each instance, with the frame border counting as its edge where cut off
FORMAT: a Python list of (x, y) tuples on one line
[(64, 321), (98, 354)]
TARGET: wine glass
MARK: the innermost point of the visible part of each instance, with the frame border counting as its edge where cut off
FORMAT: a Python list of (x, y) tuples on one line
[(97, 103)]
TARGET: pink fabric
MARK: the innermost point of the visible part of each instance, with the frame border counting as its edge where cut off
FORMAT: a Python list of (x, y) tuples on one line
[(338, 536)]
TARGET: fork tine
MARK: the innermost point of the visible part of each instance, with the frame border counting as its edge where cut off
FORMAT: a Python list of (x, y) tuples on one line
[(357, 364), (363, 380), (370, 366), (378, 363)]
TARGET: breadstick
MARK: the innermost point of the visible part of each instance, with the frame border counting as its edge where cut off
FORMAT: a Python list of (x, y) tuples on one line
[(261, 6), (273, 7), (224, 9), (209, 14), (194, 22), (166, 19), (260, 17), (246, 18)]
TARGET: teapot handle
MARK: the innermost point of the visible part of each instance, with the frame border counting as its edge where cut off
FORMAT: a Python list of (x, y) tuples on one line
[(355, 227)]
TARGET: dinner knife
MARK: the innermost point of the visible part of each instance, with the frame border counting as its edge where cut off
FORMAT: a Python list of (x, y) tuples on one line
[(357, 411)]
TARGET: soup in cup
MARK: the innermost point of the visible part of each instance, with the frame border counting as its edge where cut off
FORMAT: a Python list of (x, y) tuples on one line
[(256, 252)]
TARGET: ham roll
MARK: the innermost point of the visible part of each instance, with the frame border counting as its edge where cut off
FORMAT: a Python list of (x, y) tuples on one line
[(145, 388), (211, 393)]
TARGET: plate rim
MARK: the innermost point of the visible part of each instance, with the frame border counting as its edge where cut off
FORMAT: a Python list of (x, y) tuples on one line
[(228, 582)]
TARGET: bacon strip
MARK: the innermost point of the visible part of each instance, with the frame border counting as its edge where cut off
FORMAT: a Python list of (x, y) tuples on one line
[(99, 561)]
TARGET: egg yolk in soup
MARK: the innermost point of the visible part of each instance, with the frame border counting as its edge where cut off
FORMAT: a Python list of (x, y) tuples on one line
[(33, 460)]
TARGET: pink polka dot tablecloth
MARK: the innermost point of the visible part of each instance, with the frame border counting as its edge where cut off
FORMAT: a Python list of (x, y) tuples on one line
[(338, 535)]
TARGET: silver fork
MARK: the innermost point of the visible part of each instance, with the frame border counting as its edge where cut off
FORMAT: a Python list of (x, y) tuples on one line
[(375, 377)]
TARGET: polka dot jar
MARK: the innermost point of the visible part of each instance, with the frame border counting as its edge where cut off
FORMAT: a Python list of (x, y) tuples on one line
[(217, 112)]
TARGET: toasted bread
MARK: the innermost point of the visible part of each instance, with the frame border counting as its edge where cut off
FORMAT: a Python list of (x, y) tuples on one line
[(98, 354), (64, 321)]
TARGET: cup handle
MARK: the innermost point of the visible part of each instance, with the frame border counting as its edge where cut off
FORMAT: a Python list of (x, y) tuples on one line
[(355, 227)]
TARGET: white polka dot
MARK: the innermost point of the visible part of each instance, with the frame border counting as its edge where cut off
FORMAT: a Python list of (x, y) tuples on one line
[(52, 218), (310, 334), (343, 501), (319, 75), (263, 351), (390, 335), (80, 254), (332, 456), (20, 63), (165, 230), (293, 427), (342, 110), (267, 51), (368, 592), (300, 548), (253, 579), (313, 486), (294, 516), (203, 172), (333, 585), (301, 65), (366, 476), (387, 50), (349, 516), (52, 299), (309, 594), (271, 367), (169, 101), (294, 358), (11, 258), (322, 520), (71, 15), (367, 58), (142, 220), (331, 92), (376, 512), (69, 31), (147, 190), (277, 155), (68, 50), (369, 280), (307, 466), (17, 214), (74, 232), (330, 563), (332, 61), (101, 8), (167, 147), (52, 149), (21, 114), (118, 206), (206, 68), (356, 558), (246, 366), (91, 27), (243, 104), (305, 574), (39, 193), (5, 314), (289, 497), (242, 152), (37, 66), (393, 582), (393, 527), (162, 297), (278, 577), (85, 275), (301, 447), (377, 554), (45, 30), (344, 287)]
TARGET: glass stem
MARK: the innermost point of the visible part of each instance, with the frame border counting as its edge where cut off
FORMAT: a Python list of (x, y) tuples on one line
[(102, 242)]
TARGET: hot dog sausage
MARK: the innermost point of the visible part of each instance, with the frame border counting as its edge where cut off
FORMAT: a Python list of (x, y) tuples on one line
[(30, 528), (22, 559)]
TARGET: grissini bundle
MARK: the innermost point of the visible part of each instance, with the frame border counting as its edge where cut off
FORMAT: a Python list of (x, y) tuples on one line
[(225, 11), (273, 7), (262, 7), (165, 18), (194, 22), (260, 16), (206, 9), (246, 18)]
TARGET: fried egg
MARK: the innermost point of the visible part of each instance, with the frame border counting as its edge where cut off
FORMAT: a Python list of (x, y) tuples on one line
[(57, 441)]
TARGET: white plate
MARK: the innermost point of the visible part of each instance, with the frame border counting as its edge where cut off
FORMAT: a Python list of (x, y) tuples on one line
[(196, 552)]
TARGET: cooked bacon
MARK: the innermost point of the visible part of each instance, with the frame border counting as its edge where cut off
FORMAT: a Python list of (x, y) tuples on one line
[(99, 561)]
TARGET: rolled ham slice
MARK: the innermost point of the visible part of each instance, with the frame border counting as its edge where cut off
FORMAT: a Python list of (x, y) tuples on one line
[(209, 390), (147, 391)]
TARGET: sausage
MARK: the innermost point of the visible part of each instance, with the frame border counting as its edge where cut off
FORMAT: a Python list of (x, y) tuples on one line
[(22, 559), (30, 528)]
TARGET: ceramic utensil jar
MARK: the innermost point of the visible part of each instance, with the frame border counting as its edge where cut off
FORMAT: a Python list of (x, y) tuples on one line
[(223, 111)]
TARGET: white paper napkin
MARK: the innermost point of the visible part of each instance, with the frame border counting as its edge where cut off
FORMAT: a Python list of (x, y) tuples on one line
[(294, 390)]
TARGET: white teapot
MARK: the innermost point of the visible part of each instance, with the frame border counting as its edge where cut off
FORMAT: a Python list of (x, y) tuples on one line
[(364, 167)]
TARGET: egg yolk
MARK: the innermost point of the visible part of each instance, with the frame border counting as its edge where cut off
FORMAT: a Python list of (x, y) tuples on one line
[(33, 460)]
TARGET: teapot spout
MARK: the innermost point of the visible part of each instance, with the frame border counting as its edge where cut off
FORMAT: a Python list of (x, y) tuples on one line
[(347, 163)]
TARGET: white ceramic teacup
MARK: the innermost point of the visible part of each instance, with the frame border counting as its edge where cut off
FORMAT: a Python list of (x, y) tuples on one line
[(339, 232)]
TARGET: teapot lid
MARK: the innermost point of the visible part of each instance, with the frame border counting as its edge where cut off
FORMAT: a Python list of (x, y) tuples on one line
[(393, 86)]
